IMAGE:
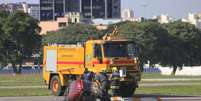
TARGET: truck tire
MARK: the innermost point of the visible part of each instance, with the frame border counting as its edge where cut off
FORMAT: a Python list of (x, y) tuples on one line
[(127, 90), (55, 86)]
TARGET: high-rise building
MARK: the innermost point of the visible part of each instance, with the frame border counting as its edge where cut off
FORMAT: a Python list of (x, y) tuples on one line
[(46, 9), (34, 11), (89, 9)]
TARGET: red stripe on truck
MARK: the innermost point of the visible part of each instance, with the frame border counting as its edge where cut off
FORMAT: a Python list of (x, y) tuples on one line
[(70, 62)]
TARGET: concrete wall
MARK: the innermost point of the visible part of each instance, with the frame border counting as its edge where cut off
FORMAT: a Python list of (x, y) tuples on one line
[(186, 71)]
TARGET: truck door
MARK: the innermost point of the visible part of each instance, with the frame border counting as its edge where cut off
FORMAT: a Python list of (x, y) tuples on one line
[(96, 62)]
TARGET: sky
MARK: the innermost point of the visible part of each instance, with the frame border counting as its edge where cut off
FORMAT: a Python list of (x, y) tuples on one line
[(150, 8)]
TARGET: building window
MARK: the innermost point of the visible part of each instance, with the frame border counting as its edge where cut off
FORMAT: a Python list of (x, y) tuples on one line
[(69, 20), (62, 24), (75, 20)]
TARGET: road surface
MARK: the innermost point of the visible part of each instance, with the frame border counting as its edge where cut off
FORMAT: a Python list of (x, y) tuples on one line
[(181, 99), (144, 97), (32, 98)]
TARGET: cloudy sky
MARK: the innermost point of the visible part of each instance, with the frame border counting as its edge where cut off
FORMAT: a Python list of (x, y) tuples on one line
[(149, 8)]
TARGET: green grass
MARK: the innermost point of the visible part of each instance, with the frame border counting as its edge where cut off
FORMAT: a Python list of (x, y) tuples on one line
[(179, 81), (36, 80), (171, 90), (24, 92), (31, 78), (22, 80)]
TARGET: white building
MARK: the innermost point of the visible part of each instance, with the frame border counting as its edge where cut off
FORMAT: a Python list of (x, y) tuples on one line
[(103, 24), (128, 15), (73, 17), (164, 18), (194, 19), (25, 7)]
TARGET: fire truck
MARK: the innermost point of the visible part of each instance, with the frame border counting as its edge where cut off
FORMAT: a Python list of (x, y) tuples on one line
[(64, 63)]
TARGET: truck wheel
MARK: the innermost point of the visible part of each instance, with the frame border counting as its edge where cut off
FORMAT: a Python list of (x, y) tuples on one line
[(55, 86), (127, 90)]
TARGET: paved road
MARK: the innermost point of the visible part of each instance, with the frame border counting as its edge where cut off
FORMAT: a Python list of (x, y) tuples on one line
[(32, 98), (144, 97), (181, 98)]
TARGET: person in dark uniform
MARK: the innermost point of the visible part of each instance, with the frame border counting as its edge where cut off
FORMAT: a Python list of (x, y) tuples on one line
[(102, 79), (88, 76), (86, 71), (115, 82)]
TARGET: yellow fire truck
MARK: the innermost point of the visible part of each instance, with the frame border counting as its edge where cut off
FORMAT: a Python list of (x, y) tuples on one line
[(65, 63)]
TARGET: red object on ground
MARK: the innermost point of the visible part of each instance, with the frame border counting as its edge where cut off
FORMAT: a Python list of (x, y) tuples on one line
[(75, 91)]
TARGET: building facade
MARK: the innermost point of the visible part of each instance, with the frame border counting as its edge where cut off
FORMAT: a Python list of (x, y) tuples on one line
[(48, 26), (89, 9), (60, 22), (34, 11), (164, 18), (127, 13), (194, 19)]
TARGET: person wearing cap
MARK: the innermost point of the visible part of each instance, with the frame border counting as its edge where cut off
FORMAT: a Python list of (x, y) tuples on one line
[(102, 79), (115, 82)]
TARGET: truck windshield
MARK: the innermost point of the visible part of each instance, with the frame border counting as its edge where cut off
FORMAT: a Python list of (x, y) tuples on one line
[(120, 49)]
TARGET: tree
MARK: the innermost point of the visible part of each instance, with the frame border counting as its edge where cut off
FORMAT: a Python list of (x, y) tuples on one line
[(148, 35), (174, 44), (72, 34), (184, 49), (23, 37), (3, 36)]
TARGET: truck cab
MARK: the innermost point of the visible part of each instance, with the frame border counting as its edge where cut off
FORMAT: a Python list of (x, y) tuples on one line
[(122, 54)]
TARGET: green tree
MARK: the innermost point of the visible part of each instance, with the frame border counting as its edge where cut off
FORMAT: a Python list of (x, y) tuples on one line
[(149, 36), (3, 36), (23, 37), (72, 34), (174, 44), (184, 48)]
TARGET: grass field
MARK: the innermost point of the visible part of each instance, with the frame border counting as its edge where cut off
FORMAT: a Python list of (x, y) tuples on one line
[(25, 92), (25, 80), (22, 81), (171, 90)]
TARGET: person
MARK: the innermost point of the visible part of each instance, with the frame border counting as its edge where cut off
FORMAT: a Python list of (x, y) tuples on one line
[(89, 76), (81, 89), (115, 82), (102, 79), (84, 74)]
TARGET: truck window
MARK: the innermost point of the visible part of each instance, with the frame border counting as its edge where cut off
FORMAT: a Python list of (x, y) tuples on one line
[(97, 51), (120, 49)]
